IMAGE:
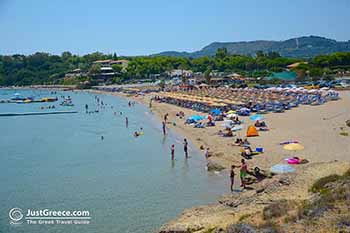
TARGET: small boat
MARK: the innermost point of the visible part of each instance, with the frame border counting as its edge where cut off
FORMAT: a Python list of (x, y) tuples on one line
[(48, 99)]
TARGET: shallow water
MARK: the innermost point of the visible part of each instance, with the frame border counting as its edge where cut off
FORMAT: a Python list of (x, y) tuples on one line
[(128, 184)]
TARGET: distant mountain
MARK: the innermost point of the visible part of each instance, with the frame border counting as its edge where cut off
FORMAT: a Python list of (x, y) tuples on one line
[(301, 47)]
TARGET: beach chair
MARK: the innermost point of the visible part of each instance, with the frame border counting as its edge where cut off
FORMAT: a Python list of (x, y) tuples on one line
[(287, 106), (278, 108)]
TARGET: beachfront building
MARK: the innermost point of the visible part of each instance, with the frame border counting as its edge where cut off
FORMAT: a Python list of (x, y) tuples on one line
[(109, 63), (106, 70), (123, 63), (75, 74), (179, 73)]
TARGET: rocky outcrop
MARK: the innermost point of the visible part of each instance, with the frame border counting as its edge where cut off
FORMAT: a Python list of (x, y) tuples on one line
[(235, 209), (214, 166)]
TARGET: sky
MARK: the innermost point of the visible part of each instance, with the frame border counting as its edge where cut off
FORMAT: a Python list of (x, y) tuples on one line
[(143, 27)]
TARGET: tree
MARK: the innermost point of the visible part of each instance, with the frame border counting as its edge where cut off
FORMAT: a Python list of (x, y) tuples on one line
[(115, 56), (183, 79), (259, 54), (95, 69), (162, 84), (301, 74), (221, 53), (315, 73), (117, 68), (207, 76), (66, 56), (273, 55)]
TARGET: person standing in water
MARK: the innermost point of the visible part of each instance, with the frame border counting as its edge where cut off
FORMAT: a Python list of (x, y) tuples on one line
[(126, 122), (232, 177), (243, 172), (186, 148), (164, 128), (166, 117), (206, 153), (172, 152), (86, 108)]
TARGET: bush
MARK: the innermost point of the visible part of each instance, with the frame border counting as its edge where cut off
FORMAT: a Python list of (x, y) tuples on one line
[(275, 210), (319, 185), (240, 228)]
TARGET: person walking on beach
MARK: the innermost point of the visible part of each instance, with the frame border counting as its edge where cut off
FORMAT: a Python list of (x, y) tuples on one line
[(232, 177), (172, 152), (186, 148), (126, 122), (243, 172), (164, 128)]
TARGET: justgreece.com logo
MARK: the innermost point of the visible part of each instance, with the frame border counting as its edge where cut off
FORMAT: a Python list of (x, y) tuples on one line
[(15, 215), (49, 217)]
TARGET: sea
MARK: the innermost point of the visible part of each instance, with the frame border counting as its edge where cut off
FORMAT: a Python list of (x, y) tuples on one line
[(90, 164)]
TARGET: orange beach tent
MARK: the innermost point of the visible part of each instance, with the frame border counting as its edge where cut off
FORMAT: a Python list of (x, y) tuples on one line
[(252, 132)]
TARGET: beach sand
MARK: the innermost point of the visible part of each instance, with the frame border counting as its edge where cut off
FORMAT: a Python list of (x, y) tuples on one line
[(318, 128)]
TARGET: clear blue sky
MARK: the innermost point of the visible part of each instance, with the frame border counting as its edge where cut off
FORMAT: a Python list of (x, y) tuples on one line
[(141, 27)]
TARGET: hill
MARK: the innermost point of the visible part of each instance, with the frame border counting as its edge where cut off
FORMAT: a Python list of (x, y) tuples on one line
[(301, 47)]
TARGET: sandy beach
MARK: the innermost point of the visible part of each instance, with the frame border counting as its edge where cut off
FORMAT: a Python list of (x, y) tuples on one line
[(318, 128)]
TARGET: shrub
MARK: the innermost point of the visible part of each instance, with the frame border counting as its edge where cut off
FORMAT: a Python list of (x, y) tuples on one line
[(276, 209), (320, 184)]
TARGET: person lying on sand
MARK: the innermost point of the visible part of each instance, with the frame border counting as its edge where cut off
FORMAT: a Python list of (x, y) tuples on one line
[(228, 133)]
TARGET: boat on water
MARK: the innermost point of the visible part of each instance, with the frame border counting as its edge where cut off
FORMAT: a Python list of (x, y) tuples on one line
[(19, 97), (48, 99)]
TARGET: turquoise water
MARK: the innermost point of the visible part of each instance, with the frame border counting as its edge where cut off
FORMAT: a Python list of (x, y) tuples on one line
[(128, 184)]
